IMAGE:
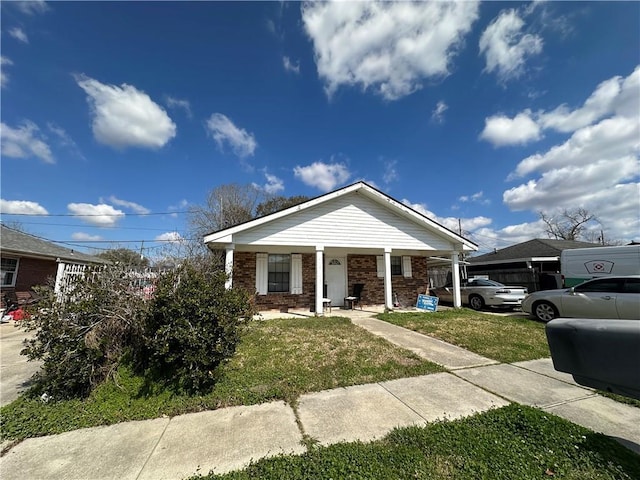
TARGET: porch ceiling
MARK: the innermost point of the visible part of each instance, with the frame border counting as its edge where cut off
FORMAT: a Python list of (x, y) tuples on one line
[(338, 251)]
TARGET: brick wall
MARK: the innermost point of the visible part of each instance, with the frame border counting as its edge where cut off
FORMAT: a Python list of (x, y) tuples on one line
[(244, 275), (31, 272), (361, 269)]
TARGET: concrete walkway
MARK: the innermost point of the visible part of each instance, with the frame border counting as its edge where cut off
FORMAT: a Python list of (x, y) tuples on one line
[(228, 439)]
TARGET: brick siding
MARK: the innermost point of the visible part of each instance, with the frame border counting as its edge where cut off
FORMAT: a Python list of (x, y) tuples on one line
[(32, 272), (361, 269)]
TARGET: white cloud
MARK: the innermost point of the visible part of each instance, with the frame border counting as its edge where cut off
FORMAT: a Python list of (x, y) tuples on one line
[(452, 223), (64, 139), (571, 185), (101, 215), (180, 207), (437, 115), (596, 168), (85, 237), (223, 130), (273, 185), (477, 197), (24, 142), (323, 176), (611, 139), (19, 34), (289, 66), (390, 171), (390, 47), (137, 208), (616, 95), (169, 237), (501, 130), (617, 98), (178, 103), (125, 116), (506, 48), (31, 7), (4, 79), (22, 206)]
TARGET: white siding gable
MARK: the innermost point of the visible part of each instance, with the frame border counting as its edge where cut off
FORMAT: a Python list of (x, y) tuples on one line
[(350, 220)]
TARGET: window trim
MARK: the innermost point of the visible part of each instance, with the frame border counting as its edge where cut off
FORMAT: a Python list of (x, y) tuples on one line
[(269, 273), (15, 272), (397, 265)]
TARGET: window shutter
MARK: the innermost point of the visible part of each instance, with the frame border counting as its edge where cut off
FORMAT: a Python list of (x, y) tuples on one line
[(296, 273), (406, 267), (380, 266), (262, 273)]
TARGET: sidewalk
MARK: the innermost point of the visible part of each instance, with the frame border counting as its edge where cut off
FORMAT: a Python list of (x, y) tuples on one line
[(228, 439)]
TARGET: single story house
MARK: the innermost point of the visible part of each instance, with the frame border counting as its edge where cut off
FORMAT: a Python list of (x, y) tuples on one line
[(28, 261), (318, 251), (534, 263)]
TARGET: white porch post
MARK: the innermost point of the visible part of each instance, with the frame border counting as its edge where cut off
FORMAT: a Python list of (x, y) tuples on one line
[(228, 265), (319, 279), (388, 300), (455, 277), (59, 275)]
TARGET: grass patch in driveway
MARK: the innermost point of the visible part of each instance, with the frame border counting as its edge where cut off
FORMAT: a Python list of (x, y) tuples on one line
[(276, 359), (504, 338), (513, 442)]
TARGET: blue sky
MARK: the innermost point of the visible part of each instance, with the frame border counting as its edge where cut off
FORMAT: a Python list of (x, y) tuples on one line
[(480, 112)]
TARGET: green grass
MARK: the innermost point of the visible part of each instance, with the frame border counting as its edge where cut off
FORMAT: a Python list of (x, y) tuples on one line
[(276, 359), (506, 339), (514, 442)]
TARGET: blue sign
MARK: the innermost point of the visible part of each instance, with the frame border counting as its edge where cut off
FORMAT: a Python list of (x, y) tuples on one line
[(428, 303)]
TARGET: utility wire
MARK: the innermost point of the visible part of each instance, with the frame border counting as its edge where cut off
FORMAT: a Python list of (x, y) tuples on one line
[(93, 214)]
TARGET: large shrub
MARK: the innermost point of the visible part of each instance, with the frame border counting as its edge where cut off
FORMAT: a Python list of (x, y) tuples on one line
[(193, 325), (82, 336)]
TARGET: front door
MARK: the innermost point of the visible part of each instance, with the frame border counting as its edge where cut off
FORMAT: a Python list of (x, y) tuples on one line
[(335, 277)]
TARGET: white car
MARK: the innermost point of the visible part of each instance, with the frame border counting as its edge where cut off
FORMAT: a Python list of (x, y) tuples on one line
[(481, 292), (604, 297)]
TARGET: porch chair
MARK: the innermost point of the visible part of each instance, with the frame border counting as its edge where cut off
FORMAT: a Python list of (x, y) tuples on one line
[(354, 299)]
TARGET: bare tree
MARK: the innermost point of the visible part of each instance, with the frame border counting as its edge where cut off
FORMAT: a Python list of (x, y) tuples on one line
[(276, 203), (567, 225), (225, 206)]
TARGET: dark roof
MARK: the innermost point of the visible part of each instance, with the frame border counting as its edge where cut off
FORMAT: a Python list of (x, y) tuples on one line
[(22, 244), (538, 247)]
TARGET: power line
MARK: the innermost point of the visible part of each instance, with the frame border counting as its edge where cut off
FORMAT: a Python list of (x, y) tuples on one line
[(93, 214), (74, 225)]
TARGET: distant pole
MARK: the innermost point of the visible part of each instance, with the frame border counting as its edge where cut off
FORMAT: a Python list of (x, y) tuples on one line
[(460, 226), (602, 236)]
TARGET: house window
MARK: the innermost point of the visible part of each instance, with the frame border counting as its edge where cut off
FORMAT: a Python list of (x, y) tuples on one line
[(279, 272), (396, 266), (8, 271)]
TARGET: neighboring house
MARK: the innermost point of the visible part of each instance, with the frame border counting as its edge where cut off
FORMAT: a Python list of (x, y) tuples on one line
[(28, 261), (318, 250), (534, 264)]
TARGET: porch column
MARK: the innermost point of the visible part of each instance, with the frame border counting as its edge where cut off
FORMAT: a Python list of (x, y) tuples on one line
[(388, 294), (319, 279), (228, 265), (455, 277)]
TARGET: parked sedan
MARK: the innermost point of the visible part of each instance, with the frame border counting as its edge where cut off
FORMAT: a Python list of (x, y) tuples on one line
[(481, 292), (604, 297)]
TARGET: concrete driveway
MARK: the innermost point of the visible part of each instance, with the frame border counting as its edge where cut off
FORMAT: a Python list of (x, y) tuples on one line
[(15, 369)]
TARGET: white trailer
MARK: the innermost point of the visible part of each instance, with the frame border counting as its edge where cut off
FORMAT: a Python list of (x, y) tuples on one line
[(580, 264)]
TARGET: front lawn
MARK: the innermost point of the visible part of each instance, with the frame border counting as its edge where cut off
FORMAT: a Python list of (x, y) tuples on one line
[(276, 359), (514, 442), (504, 338)]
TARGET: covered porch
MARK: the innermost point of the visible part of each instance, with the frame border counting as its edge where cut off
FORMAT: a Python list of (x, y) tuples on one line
[(322, 248), (324, 276)]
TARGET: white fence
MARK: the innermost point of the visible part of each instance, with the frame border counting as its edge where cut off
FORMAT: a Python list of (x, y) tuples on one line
[(66, 276)]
